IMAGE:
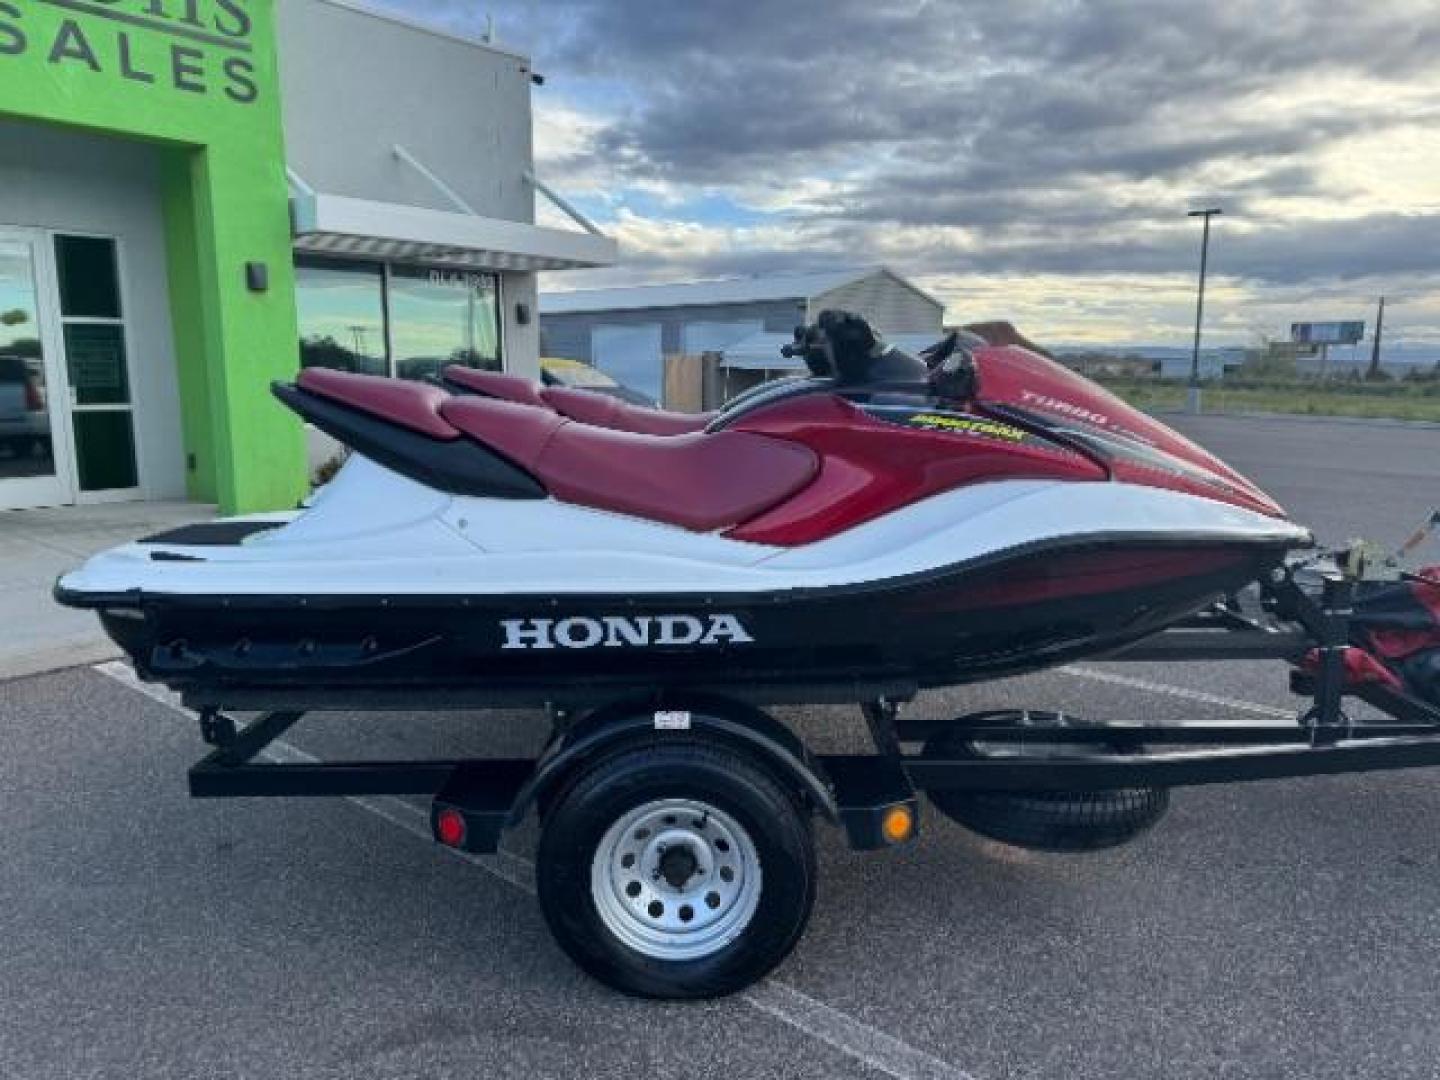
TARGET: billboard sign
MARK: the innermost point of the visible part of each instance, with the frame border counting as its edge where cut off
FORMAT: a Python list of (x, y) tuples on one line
[(1327, 333)]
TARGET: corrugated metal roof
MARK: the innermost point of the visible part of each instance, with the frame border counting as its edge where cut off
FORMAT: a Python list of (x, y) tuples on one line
[(742, 290)]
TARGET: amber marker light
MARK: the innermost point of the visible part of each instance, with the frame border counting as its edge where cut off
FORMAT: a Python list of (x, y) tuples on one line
[(898, 824)]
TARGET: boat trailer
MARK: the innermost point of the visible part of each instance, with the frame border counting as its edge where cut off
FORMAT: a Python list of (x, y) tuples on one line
[(675, 857), (861, 791)]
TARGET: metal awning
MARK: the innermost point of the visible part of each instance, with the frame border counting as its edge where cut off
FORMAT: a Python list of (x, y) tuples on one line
[(361, 228)]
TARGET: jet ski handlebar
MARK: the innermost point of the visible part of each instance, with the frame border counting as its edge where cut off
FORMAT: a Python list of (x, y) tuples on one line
[(845, 347), (838, 345)]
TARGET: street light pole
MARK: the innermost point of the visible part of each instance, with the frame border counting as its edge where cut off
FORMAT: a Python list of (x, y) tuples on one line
[(1193, 397)]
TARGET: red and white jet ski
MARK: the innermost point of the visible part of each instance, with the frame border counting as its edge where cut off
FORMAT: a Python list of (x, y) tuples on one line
[(983, 513)]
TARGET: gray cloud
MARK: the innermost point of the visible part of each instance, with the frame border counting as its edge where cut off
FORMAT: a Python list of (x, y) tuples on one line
[(1389, 244), (723, 84), (1031, 130)]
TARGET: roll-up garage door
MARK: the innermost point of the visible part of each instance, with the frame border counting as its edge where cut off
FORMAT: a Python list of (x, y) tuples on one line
[(703, 337)]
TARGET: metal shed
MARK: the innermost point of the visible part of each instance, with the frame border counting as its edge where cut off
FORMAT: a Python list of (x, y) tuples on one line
[(606, 326)]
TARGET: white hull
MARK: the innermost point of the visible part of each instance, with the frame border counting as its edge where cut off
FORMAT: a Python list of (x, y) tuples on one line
[(372, 531)]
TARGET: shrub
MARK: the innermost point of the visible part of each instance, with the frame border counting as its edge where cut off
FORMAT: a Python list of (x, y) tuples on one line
[(326, 470)]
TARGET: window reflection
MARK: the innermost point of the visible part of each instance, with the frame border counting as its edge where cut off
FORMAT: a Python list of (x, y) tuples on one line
[(440, 317), (25, 446), (436, 317), (342, 316)]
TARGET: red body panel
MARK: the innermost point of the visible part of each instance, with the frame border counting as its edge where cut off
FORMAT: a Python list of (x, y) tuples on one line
[(1015, 378), (1399, 642), (870, 467)]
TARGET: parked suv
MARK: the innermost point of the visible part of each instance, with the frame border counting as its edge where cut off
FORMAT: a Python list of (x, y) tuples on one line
[(24, 421)]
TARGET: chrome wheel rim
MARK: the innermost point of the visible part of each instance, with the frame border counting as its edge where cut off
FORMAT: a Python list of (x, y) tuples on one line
[(676, 879)]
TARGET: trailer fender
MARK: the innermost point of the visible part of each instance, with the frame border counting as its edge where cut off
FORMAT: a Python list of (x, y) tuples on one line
[(741, 726)]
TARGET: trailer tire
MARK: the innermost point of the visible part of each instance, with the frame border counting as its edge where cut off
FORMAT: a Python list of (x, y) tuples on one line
[(1057, 821), (728, 903)]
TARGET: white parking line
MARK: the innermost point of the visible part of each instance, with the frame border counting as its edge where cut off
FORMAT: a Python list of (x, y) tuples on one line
[(1096, 675), (842, 1032), (859, 1040)]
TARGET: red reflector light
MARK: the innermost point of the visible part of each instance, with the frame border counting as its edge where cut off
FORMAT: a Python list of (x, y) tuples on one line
[(450, 827), (34, 400)]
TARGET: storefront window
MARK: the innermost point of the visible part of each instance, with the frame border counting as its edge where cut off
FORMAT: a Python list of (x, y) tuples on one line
[(440, 317), (407, 321), (342, 316)]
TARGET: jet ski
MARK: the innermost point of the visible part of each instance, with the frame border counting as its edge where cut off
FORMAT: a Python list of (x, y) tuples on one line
[(975, 512)]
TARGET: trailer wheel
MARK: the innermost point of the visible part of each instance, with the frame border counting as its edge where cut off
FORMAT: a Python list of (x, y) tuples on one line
[(678, 870), (1043, 820)]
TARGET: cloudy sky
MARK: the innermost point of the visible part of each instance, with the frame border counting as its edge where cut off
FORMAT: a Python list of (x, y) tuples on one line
[(1030, 160)]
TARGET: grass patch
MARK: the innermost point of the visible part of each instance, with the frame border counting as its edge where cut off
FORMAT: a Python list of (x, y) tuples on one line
[(1397, 400)]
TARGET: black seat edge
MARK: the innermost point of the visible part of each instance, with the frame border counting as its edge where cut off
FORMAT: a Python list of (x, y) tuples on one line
[(456, 466)]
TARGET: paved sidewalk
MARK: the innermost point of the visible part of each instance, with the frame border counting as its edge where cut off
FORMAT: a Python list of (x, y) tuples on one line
[(36, 546)]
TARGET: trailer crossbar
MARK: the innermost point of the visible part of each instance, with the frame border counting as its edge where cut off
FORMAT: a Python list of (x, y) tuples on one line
[(1123, 735), (1181, 769)]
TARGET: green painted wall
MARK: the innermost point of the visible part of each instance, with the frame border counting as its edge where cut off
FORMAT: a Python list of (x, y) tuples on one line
[(200, 78)]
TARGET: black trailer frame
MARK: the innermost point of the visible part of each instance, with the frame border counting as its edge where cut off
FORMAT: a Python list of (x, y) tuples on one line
[(1303, 624)]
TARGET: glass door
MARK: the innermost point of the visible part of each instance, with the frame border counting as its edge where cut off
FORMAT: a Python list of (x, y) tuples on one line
[(34, 465), (101, 407)]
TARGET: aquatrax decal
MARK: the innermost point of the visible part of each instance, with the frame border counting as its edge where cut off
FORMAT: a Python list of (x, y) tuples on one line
[(957, 423)]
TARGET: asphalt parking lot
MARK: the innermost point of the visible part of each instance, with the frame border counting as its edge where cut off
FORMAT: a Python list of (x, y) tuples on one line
[(1275, 930)]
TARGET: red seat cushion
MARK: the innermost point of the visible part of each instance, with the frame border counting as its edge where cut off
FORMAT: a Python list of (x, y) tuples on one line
[(603, 410), (697, 481), (519, 432), (409, 404), (496, 384)]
